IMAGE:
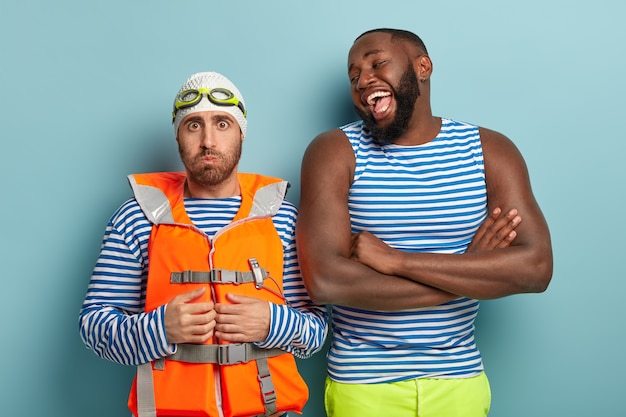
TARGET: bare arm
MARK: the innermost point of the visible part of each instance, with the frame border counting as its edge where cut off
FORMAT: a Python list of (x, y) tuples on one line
[(524, 266), (330, 273), (324, 237)]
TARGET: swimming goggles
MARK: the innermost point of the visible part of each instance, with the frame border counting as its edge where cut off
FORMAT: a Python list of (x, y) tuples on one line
[(218, 96)]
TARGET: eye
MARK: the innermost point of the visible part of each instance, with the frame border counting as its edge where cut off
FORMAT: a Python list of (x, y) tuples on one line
[(378, 64), (223, 124), (194, 126)]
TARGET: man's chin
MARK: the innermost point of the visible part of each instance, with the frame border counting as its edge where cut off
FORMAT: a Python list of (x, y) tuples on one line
[(386, 134)]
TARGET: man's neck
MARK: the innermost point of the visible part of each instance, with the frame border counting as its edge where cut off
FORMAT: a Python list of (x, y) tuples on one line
[(420, 131)]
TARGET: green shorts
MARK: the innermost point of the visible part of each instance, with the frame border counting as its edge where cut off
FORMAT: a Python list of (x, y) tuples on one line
[(423, 397)]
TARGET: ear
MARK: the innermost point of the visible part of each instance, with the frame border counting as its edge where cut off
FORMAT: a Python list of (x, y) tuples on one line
[(423, 67)]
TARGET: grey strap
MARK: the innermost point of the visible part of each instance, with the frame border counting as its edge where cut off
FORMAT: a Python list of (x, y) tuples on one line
[(229, 354), (267, 386), (217, 276), (146, 406)]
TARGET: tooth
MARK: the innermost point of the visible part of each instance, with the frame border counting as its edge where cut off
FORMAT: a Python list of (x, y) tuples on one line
[(375, 95)]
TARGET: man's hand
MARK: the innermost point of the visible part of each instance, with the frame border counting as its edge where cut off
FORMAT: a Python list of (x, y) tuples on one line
[(497, 231), (247, 319), (372, 252), (187, 321)]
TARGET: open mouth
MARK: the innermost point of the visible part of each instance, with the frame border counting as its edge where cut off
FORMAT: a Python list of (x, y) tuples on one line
[(379, 102)]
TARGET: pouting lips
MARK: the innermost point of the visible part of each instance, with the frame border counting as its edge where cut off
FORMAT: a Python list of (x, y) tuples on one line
[(379, 101)]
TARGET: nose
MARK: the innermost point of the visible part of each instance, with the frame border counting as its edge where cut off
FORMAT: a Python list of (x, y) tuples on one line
[(365, 79), (208, 138)]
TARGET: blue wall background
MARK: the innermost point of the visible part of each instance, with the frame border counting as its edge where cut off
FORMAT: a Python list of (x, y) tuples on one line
[(86, 93)]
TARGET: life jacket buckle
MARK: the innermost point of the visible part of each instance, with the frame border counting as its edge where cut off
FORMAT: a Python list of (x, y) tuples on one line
[(224, 276), (267, 388), (231, 354)]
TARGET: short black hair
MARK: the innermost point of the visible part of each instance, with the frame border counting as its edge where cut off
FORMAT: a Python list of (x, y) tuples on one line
[(399, 34)]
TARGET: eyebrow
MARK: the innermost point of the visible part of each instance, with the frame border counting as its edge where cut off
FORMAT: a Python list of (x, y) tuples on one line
[(367, 55), (372, 52), (223, 116), (192, 118), (215, 118)]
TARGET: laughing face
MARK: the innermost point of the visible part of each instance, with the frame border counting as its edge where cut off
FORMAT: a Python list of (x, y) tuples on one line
[(405, 95), (384, 85)]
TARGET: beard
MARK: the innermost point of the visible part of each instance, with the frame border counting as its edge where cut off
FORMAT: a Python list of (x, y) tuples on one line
[(405, 94), (211, 174)]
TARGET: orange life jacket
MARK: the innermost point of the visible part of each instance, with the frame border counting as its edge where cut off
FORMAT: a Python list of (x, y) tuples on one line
[(245, 257)]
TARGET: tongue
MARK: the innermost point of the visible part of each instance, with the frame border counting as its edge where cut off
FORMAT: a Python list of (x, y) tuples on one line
[(382, 104)]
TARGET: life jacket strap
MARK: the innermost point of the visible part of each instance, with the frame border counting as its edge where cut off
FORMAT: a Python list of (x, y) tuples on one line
[(146, 403), (229, 354), (217, 276), (267, 386)]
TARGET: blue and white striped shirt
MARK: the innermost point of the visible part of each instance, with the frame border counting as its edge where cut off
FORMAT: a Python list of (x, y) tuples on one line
[(113, 323), (426, 198)]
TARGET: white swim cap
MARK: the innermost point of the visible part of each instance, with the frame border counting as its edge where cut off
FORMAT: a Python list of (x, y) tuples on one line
[(219, 87)]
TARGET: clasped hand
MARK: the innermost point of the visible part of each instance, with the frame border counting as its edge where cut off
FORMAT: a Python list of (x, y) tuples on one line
[(496, 232), (244, 319)]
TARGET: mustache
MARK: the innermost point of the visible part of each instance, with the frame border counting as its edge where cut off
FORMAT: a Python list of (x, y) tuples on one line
[(209, 152)]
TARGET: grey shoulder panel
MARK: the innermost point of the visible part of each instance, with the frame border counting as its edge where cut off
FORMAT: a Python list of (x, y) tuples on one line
[(267, 200), (153, 202)]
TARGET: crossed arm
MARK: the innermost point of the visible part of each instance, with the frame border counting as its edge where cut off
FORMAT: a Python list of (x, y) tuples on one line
[(339, 268)]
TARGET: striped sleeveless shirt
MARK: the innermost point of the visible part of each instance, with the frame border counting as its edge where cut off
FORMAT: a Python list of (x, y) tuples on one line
[(425, 198)]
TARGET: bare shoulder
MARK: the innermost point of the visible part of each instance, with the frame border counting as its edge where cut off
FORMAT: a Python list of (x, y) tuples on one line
[(329, 154), (506, 173), (328, 143), (496, 142), (500, 153)]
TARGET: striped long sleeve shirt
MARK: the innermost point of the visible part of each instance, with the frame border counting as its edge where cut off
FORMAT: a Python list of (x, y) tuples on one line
[(112, 320)]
